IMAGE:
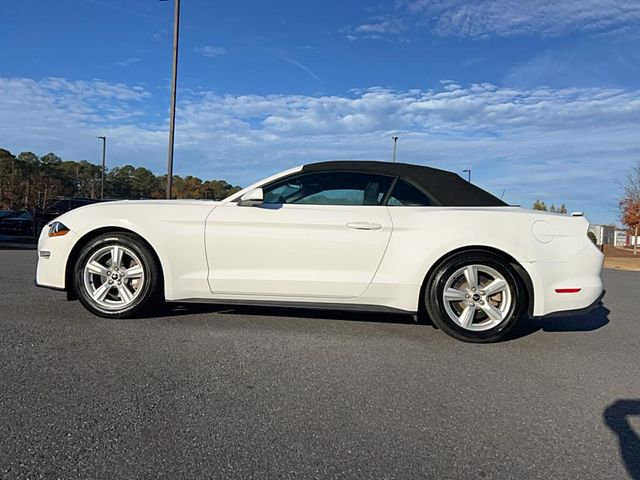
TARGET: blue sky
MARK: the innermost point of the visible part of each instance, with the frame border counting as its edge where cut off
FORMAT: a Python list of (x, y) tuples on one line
[(541, 99)]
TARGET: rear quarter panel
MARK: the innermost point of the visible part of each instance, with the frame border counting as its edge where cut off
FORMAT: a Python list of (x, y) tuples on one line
[(423, 235)]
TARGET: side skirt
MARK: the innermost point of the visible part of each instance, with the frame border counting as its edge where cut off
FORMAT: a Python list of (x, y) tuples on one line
[(308, 305)]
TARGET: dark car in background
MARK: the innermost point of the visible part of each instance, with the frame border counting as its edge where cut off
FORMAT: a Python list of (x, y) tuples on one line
[(17, 223), (4, 213), (30, 223)]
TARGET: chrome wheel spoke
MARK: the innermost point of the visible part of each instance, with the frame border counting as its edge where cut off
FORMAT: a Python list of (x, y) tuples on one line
[(134, 272), (125, 295), (497, 286), (454, 295), (471, 275), (492, 312), (96, 268), (116, 256), (100, 293), (466, 318)]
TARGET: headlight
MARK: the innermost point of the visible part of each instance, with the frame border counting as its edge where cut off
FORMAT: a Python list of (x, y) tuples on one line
[(57, 229)]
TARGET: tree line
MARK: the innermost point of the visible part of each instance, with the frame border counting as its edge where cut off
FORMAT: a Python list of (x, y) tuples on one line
[(540, 205), (630, 204), (28, 182)]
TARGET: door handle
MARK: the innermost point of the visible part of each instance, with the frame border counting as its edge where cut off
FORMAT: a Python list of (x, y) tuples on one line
[(364, 226)]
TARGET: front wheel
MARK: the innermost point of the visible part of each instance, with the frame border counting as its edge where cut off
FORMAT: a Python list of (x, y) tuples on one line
[(475, 296), (117, 276)]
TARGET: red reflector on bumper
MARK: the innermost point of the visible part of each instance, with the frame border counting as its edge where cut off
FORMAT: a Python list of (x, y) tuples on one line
[(568, 290)]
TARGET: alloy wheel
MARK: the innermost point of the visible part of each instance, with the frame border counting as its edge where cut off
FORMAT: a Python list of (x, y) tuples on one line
[(477, 297), (113, 277)]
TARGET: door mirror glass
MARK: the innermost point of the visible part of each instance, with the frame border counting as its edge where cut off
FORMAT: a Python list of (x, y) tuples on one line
[(251, 198)]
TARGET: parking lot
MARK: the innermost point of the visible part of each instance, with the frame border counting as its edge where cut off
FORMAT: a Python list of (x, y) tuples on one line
[(216, 392)]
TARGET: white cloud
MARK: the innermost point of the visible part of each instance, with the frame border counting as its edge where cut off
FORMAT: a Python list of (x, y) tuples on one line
[(128, 62), (389, 27), (507, 18), (383, 25), (561, 145), (211, 52), (531, 17), (55, 114)]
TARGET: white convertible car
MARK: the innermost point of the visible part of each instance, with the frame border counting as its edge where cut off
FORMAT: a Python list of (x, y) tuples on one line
[(337, 235)]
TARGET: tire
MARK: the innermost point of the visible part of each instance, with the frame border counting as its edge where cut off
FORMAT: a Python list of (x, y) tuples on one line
[(475, 296), (117, 275)]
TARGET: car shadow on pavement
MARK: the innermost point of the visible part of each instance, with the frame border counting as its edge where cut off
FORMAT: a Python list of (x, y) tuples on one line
[(616, 416), (594, 320), (580, 323)]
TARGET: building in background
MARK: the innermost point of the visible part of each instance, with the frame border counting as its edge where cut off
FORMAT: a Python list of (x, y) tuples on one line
[(605, 234), (611, 235), (621, 238)]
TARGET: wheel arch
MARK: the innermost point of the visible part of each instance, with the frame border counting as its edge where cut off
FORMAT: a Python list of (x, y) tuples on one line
[(85, 239), (520, 270)]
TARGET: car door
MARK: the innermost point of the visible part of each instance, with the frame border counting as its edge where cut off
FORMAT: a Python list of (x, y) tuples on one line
[(316, 235)]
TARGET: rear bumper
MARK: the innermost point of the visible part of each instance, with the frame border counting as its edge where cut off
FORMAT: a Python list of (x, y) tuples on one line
[(554, 283), (576, 312)]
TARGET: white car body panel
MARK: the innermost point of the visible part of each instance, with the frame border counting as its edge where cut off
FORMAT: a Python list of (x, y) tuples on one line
[(174, 229), (217, 251), (315, 251)]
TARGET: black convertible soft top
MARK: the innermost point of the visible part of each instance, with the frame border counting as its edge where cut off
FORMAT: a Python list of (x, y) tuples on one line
[(445, 188)]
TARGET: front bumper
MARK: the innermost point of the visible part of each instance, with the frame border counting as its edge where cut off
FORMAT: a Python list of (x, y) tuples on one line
[(51, 269)]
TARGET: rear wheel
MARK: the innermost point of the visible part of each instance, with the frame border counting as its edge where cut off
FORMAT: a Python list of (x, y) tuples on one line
[(117, 276), (475, 296)]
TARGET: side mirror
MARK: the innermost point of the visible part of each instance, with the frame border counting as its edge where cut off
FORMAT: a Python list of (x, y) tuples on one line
[(251, 198)]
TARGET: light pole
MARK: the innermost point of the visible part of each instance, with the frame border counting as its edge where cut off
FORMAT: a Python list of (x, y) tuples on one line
[(104, 157), (174, 81), (395, 148), (468, 172)]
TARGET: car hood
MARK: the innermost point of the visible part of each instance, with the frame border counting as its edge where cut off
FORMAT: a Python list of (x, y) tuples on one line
[(187, 201), (134, 210)]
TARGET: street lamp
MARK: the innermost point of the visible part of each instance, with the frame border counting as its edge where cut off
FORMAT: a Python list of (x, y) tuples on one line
[(395, 147), (104, 156), (174, 81), (468, 172)]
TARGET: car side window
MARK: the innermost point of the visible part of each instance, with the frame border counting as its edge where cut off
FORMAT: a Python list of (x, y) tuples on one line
[(329, 188), (280, 192), (406, 195)]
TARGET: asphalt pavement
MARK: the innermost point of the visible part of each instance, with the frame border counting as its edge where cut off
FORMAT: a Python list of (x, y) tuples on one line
[(230, 392)]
